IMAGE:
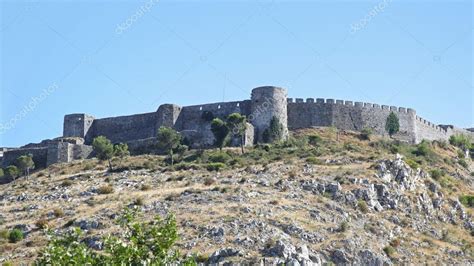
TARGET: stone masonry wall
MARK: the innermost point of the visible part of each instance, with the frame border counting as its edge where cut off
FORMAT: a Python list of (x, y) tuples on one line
[(39, 156), (347, 115), (125, 128)]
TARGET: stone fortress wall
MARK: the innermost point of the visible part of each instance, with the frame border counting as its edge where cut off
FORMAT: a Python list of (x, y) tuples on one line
[(193, 122)]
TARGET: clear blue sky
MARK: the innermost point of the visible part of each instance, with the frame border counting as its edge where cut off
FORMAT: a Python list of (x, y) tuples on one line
[(110, 58)]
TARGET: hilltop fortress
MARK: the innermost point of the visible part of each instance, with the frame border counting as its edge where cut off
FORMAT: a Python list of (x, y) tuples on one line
[(193, 122)]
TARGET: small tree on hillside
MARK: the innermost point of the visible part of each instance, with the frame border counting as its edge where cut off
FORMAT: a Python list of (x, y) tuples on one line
[(168, 140), (25, 164), (221, 131), (12, 172), (274, 132), (121, 151), (392, 126), (104, 149), (238, 125)]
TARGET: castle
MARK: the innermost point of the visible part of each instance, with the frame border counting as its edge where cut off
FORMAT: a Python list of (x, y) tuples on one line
[(193, 122)]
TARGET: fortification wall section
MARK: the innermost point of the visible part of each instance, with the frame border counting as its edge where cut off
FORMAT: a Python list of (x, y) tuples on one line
[(348, 115), (40, 156), (125, 128), (429, 131)]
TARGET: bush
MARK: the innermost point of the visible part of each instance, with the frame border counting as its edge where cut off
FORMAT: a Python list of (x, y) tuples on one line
[(366, 133), (362, 205), (15, 236), (467, 200), (105, 189), (145, 187), (344, 226), (209, 181), (219, 157), (58, 213), (461, 141), (390, 251), (2, 174), (314, 139), (395, 243), (139, 242), (436, 174), (423, 149), (42, 224), (461, 154), (314, 160), (215, 166), (414, 165), (67, 183), (274, 132), (463, 163)]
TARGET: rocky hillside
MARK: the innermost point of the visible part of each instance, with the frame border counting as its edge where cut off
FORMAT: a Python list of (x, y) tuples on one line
[(322, 197)]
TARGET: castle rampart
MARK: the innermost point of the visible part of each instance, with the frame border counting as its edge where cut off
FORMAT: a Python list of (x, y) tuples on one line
[(194, 123)]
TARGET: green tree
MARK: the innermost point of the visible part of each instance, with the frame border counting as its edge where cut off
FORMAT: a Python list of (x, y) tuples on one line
[(274, 132), (221, 131), (392, 125), (121, 151), (104, 149), (139, 243), (168, 140), (238, 125), (12, 172), (2, 173), (25, 164)]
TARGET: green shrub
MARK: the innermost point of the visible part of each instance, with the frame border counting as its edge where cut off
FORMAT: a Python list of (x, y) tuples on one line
[(313, 160), (314, 139), (390, 251), (219, 157), (139, 242), (467, 200), (461, 141), (366, 133), (423, 149), (15, 235), (42, 224), (274, 132), (463, 163), (413, 164), (2, 174), (362, 205), (436, 174), (215, 166), (344, 226), (461, 154)]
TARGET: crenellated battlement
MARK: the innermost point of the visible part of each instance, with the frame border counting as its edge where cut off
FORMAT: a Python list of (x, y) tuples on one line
[(350, 103)]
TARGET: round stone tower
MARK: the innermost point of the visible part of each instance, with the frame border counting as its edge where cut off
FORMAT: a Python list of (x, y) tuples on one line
[(268, 102)]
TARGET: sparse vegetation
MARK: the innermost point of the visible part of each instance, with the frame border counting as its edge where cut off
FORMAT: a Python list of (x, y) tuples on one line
[(221, 131), (362, 205), (390, 251)]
